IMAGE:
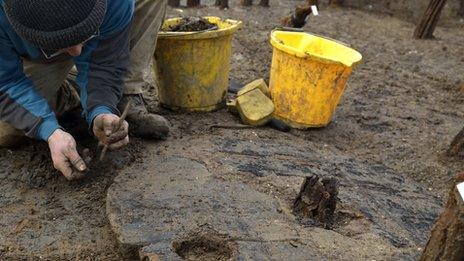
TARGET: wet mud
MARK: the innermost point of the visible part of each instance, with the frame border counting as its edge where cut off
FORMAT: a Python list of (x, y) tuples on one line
[(192, 24), (385, 146)]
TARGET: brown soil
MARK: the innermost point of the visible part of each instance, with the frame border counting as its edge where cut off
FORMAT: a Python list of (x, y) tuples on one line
[(192, 24), (401, 108)]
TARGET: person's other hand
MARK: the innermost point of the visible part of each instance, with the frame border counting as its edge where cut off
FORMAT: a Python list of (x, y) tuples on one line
[(103, 127), (65, 157)]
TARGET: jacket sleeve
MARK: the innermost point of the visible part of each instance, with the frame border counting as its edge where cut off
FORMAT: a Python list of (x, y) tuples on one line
[(20, 104), (101, 69)]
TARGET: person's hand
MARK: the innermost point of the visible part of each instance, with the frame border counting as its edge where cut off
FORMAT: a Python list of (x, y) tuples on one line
[(65, 156), (105, 129)]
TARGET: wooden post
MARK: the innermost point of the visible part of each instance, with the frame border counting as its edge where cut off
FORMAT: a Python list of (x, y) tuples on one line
[(264, 3), (426, 26), (246, 2), (461, 8), (193, 3), (298, 18), (456, 144), (317, 199), (447, 239), (174, 3), (223, 4)]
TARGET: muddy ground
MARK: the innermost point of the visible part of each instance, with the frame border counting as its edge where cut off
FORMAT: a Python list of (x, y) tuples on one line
[(411, 10), (400, 111)]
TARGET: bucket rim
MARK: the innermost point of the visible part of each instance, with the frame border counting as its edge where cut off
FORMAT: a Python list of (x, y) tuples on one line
[(232, 26), (279, 44)]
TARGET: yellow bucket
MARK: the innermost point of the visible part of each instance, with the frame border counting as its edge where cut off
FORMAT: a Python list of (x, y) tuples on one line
[(192, 68), (308, 77)]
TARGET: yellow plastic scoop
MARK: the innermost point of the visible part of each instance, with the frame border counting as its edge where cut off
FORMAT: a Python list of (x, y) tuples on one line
[(255, 108)]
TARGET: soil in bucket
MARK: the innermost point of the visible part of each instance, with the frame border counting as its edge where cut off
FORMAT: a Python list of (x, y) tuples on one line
[(192, 24)]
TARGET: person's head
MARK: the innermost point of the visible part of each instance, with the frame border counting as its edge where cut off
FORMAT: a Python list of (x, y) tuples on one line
[(56, 26)]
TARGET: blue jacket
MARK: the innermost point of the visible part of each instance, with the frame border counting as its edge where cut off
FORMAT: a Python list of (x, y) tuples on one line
[(101, 67)]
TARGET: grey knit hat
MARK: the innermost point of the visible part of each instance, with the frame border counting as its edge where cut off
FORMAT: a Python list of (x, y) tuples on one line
[(55, 24)]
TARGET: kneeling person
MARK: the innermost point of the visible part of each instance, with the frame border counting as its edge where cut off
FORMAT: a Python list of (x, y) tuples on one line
[(41, 41)]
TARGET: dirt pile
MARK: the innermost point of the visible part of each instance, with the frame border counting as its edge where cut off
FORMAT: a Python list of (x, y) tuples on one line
[(192, 24)]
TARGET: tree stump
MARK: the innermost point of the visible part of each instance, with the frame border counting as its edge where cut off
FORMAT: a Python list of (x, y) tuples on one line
[(174, 3), (193, 3), (264, 3), (246, 2), (299, 17), (447, 239), (426, 26), (317, 199)]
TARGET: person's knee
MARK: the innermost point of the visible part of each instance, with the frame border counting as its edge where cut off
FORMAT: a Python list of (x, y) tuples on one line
[(9, 136)]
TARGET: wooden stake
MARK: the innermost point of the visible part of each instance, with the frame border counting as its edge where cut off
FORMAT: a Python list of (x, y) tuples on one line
[(246, 2), (223, 4), (174, 3), (426, 26), (264, 3), (447, 238), (317, 199), (461, 8), (193, 3), (456, 144), (299, 17)]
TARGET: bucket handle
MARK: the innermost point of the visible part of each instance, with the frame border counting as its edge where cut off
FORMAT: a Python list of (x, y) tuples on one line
[(291, 29)]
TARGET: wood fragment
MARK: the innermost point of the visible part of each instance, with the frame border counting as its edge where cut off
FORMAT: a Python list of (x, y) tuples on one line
[(246, 2), (264, 3), (461, 8), (174, 3), (299, 17), (223, 4), (447, 238), (456, 144), (193, 3), (427, 24), (317, 199)]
